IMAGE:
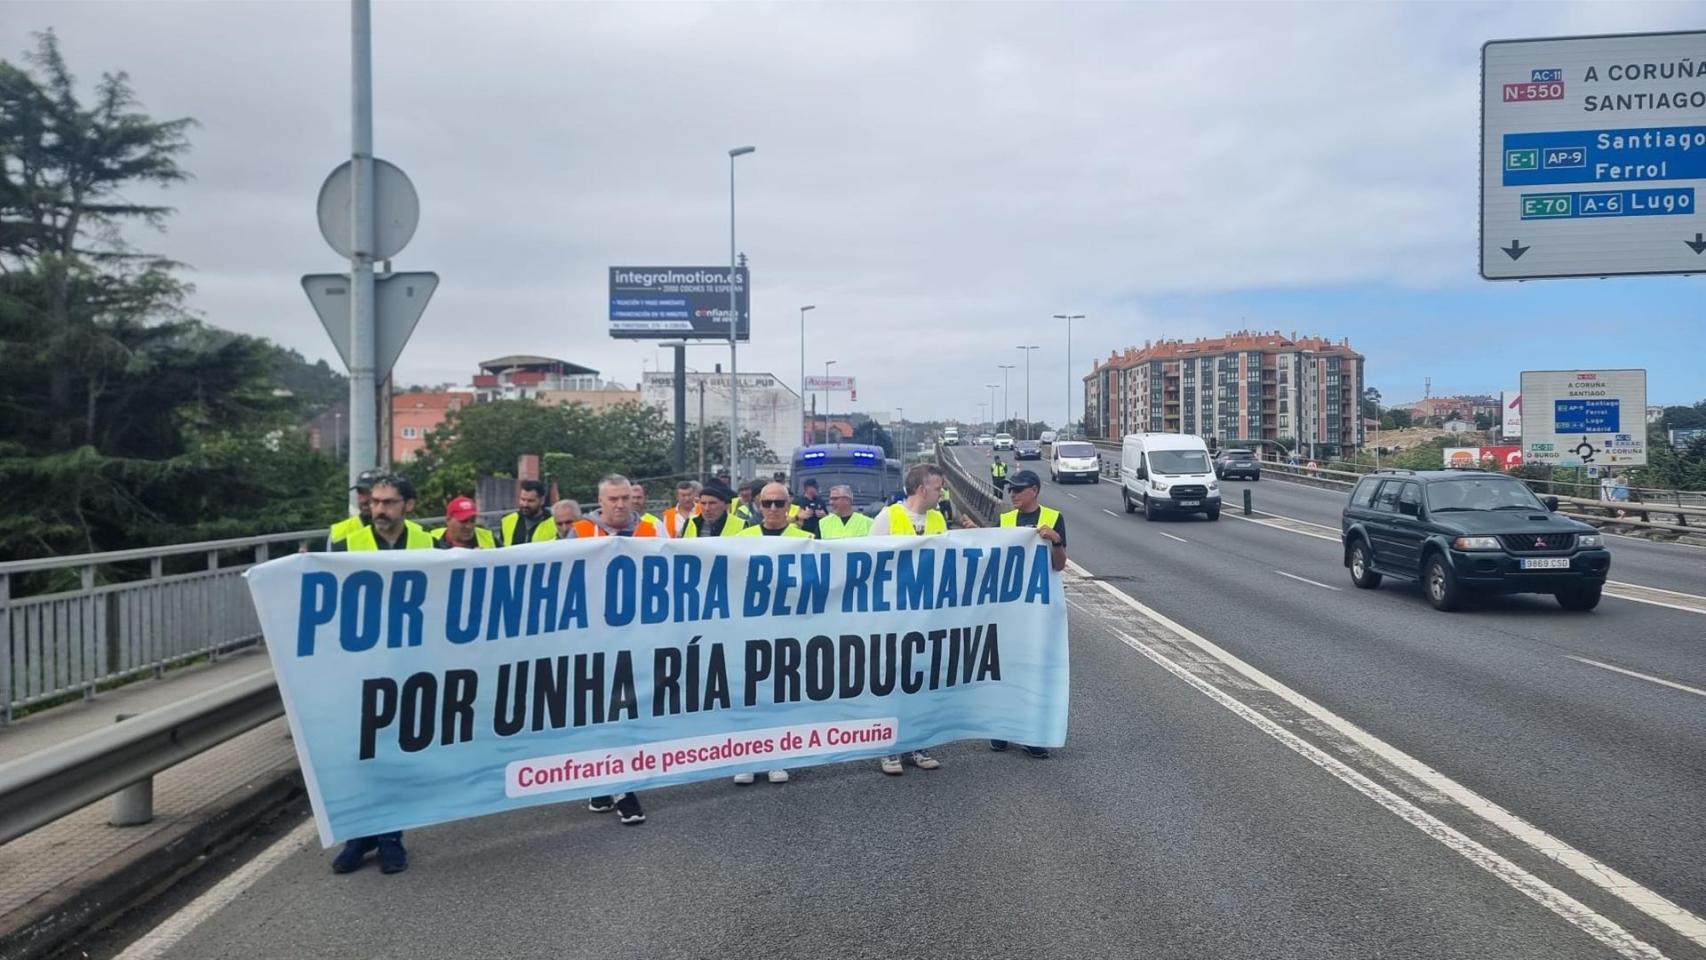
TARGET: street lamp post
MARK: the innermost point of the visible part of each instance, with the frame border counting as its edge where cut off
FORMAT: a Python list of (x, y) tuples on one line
[(803, 364), (826, 366), (991, 387), (1027, 388), (734, 325), (1065, 431), (1006, 398)]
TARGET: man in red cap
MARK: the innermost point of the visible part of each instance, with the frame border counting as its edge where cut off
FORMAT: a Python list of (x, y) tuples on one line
[(460, 528)]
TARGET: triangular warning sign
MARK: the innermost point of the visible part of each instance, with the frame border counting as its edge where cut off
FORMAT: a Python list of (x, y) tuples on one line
[(398, 302)]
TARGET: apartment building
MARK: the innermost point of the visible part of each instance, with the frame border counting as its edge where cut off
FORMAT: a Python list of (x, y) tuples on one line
[(1241, 388)]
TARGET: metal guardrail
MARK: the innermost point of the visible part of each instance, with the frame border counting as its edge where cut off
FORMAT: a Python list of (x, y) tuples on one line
[(971, 494), (47, 785)]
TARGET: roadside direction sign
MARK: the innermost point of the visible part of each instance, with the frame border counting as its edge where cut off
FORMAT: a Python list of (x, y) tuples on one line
[(399, 299), (1593, 156), (1573, 418)]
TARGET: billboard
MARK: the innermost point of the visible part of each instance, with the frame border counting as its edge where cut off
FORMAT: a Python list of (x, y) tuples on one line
[(1592, 159), (1483, 458), (1510, 401), (838, 384), (1573, 418), (677, 303)]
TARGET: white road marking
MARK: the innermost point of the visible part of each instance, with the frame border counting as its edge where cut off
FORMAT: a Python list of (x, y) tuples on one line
[(1171, 537), (179, 925), (1313, 583), (1602, 875), (1109, 512), (1072, 495), (1280, 526), (1577, 913), (1644, 676)]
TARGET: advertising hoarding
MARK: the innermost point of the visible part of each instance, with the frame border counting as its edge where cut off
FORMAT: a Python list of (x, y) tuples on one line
[(677, 303)]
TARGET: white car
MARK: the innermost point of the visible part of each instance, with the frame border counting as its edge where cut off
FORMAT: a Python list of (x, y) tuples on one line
[(1168, 473), (1075, 460), (1046, 438), (986, 441), (1004, 441)]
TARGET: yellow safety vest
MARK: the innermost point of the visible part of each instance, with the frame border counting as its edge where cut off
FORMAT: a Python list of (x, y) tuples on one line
[(415, 537), (833, 527), (482, 537), (947, 495), (343, 528), (1047, 519), (998, 469), (900, 524), (544, 533), (732, 526), (654, 521), (757, 530)]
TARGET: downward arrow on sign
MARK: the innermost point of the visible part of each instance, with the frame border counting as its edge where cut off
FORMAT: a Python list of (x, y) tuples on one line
[(1698, 244), (1516, 249)]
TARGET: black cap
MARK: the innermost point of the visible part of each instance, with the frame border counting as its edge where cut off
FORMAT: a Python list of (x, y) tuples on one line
[(1024, 478), (719, 491), (366, 479)]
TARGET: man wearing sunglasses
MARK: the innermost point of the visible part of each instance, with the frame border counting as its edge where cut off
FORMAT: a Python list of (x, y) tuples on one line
[(390, 499), (1023, 487), (842, 521), (773, 510)]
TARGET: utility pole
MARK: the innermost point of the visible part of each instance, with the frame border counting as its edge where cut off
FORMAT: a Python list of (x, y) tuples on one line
[(992, 417), (1065, 431), (1006, 398), (1027, 388), (363, 381), (734, 326), (803, 365)]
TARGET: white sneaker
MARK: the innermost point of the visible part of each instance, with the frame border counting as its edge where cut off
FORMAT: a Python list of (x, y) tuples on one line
[(743, 778), (924, 760), (892, 767), (778, 776)]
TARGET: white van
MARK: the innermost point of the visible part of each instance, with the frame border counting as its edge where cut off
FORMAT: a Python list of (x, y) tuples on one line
[(1046, 438), (1075, 460), (1168, 473), (950, 436)]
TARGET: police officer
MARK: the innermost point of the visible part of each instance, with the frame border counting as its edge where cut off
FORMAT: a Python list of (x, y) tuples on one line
[(460, 529), (363, 490), (842, 521), (809, 509), (1051, 527), (389, 500), (529, 523), (715, 519), (998, 476)]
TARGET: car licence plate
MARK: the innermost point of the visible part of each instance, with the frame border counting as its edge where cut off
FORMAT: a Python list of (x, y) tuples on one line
[(1546, 563), (1190, 503)]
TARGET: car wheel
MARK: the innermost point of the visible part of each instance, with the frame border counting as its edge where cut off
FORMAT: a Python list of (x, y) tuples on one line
[(1125, 495), (1441, 585), (1362, 572), (1581, 600), (1148, 508)]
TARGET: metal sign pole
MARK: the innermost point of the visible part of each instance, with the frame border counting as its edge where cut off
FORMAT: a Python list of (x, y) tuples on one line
[(364, 423)]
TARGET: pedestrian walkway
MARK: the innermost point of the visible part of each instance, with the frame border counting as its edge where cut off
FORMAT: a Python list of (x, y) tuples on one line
[(57, 878)]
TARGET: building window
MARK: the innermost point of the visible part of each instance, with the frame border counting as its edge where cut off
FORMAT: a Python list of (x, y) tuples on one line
[(414, 433)]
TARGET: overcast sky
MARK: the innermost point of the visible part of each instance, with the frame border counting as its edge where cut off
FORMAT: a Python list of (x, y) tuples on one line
[(937, 179)]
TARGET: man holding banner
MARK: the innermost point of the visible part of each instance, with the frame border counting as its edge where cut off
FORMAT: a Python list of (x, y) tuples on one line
[(773, 521), (915, 516)]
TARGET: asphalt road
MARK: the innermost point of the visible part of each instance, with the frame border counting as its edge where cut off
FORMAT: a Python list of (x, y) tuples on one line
[(1170, 826), (1613, 764)]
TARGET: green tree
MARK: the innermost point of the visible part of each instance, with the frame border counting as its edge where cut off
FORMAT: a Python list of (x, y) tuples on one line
[(874, 434)]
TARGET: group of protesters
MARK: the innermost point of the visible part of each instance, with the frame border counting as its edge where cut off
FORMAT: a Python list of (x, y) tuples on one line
[(758, 509)]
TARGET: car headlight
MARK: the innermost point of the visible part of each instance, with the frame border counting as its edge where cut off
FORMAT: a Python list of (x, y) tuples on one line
[(1585, 540), (1212, 486), (1475, 543), (1158, 485)]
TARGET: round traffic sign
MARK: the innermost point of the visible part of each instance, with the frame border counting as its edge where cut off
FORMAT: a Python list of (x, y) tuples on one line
[(396, 209)]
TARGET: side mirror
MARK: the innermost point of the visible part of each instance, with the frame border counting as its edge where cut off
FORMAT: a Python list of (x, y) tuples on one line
[(1551, 504), (1142, 474)]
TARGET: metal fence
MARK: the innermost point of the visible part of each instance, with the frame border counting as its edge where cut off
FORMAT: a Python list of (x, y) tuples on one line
[(99, 617)]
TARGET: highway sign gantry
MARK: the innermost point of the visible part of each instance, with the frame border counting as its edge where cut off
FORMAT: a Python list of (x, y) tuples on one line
[(1592, 153)]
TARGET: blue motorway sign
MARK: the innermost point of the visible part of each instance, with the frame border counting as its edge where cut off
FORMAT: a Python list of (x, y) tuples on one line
[(1604, 156), (677, 303), (1585, 416), (1647, 202)]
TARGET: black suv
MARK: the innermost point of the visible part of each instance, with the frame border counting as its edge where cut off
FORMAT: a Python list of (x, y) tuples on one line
[(1027, 450), (1458, 531)]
